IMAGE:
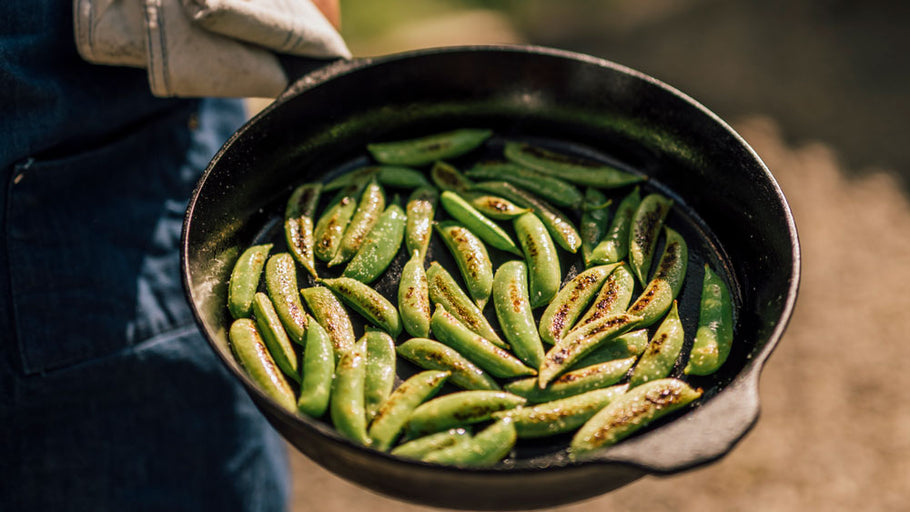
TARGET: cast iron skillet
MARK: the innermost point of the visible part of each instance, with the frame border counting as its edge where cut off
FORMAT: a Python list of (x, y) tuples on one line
[(728, 206)]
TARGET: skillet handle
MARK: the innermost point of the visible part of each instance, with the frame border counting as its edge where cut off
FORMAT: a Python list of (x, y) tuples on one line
[(296, 67)]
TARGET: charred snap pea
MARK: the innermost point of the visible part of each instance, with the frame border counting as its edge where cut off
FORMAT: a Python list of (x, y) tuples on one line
[(420, 210), (444, 290), (245, 279), (644, 231), (513, 309), (329, 312), (423, 445), (318, 371), (432, 355), (394, 412), (472, 259), (715, 327), (663, 351), (414, 297), (615, 244), (281, 282), (571, 301), (574, 382), (544, 275), (495, 360), (380, 371), (494, 207), (560, 416), (630, 413), (424, 150), (347, 405), (356, 177), (549, 187), (569, 167), (379, 247), (401, 177), (614, 296), (488, 447), (486, 229), (276, 339), (371, 206), (593, 223), (252, 354), (630, 345), (459, 409), (668, 279), (448, 178), (366, 301), (298, 224), (334, 221)]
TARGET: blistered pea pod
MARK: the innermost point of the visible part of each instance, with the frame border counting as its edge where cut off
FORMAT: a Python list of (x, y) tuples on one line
[(334, 221), (572, 383), (414, 297), (380, 371), (427, 149), (629, 345), (631, 412), (448, 178), (544, 275), (581, 171), (274, 335), (551, 188), (347, 406), (355, 177), (494, 207), (659, 358), (370, 207), (417, 448), (488, 447), (318, 371), (644, 232), (562, 415), (367, 302), (715, 327), (281, 283), (571, 301), (379, 247), (459, 409), (244, 280), (615, 243), (420, 210), (331, 315), (594, 218), (480, 351), (394, 412), (614, 296), (433, 355), (388, 175), (253, 356), (298, 224), (444, 290), (513, 309), (668, 279), (472, 259), (478, 223)]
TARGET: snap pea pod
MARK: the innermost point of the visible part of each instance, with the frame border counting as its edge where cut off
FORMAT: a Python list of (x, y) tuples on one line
[(574, 382), (331, 225), (560, 416), (281, 283), (370, 207), (662, 352), (644, 231), (423, 445), (614, 296), (544, 275), (245, 278), (594, 221), (379, 247), (513, 309), (494, 360), (488, 447), (494, 207), (318, 371), (366, 301), (448, 178), (548, 187), (571, 301), (394, 412), (444, 290), (331, 315), (631, 412), (414, 297), (631, 344), (252, 354), (486, 229), (472, 259), (581, 171), (715, 327), (459, 409), (298, 224), (432, 355), (274, 336), (423, 150), (355, 177), (388, 175), (668, 279), (420, 210), (347, 405), (380, 371), (615, 244)]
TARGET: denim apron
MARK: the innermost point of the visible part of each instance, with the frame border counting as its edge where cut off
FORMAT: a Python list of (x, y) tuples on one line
[(109, 397)]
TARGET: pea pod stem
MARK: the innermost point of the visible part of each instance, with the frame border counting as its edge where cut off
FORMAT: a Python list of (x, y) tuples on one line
[(714, 336)]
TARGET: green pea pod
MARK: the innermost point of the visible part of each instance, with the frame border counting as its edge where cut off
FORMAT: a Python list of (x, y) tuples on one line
[(571, 301), (459, 409), (668, 279), (353, 178), (380, 372), (281, 283), (379, 247), (432, 355), (549, 187), (334, 221), (276, 339), (488, 447), (594, 221), (715, 327), (615, 244), (421, 446), (447, 177), (486, 229), (298, 224), (444, 290), (494, 207), (513, 309), (420, 210), (581, 171), (394, 412), (366, 301), (558, 224), (427, 149), (581, 342), (318, 371), (644, 231), (331, 315), (347, 405), (631, 412), (494, 360), (631, 344), (245, 278), (560, 416), (614, 296), (659, 358), (544, 275), (414, 297), (252, 354), (402, 177), (574, 382), (371, 206), (472, 259)]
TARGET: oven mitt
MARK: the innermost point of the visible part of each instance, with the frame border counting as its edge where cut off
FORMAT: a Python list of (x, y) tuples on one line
[(194, 48)]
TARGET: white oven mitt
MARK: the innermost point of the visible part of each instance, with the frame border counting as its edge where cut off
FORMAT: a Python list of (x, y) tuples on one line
[(194, 48)]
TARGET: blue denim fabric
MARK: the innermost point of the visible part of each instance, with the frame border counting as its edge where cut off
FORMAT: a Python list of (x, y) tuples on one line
[(109, 397)]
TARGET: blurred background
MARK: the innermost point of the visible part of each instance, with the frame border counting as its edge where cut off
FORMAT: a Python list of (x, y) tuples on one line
[(821, 90)]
